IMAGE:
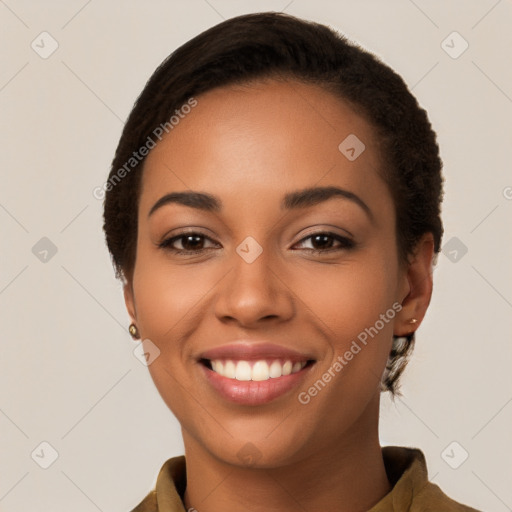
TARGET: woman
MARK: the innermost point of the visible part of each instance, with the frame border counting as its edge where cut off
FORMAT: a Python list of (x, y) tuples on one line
[(273, 212)]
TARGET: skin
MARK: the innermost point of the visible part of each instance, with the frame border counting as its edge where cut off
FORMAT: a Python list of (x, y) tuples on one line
[(249, 146)]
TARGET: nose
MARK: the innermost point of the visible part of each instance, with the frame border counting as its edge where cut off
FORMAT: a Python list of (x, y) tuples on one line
[(255, 294)]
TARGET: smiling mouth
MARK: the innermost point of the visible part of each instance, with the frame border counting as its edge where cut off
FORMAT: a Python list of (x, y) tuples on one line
[(255, 370)]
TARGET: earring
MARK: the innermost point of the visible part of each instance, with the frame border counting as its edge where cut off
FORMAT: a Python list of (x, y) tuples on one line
[(134, 331), (413, 321)]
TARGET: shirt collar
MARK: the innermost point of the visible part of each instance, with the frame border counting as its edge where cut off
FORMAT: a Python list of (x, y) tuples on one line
[(405, 467)]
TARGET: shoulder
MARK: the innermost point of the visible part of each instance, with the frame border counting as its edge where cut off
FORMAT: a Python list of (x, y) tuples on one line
[(432, 499), (148, 504), (412, 491), (170, 485)]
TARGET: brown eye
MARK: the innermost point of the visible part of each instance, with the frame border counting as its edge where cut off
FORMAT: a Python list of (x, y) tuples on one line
[(188, 243), (326, 242), (192, 242), (322, 241)]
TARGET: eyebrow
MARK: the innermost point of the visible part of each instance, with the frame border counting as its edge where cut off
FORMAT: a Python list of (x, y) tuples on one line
[(198, 200), (313, 196), (299, 199)]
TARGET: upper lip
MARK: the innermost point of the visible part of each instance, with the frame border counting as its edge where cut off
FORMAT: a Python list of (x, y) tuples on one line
[(246, 351)]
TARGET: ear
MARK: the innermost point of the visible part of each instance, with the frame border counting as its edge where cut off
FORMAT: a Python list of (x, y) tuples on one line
[(419, 277), (129, 300)]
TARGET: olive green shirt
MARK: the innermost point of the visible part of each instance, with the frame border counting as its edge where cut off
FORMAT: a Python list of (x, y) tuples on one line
[(405, 467)]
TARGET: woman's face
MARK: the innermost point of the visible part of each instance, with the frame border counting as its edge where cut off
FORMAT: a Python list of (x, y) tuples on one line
[(286, 261)]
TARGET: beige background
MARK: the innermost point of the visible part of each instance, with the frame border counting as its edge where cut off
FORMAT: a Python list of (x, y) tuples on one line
[(68, 374)]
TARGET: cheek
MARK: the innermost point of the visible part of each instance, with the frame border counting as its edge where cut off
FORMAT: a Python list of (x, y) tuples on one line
[(349, 298), (354, 303), (170, 302), (167, 295)]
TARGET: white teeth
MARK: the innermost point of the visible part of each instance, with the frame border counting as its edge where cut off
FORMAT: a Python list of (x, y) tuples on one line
[(296, 367), (229, 370), (276, 370), (287, 368), (217, 366), (259, 371), (243, 371)]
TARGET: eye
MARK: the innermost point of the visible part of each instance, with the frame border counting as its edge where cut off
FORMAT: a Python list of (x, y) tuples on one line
[(188, 243), (323, 242)]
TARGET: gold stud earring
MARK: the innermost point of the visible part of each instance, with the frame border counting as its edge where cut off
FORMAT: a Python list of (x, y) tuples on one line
[(134, 331), (413, 321)]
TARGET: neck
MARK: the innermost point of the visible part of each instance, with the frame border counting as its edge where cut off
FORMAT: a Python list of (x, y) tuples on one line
[(346, 475)]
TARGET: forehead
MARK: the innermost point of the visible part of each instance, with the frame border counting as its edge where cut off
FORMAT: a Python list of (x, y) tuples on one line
[(263, 139)]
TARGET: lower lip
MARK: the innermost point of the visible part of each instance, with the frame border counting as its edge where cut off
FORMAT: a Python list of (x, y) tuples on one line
[(253, 392)]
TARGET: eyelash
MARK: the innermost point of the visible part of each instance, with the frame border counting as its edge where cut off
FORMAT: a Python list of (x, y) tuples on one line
[(345, 243)]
